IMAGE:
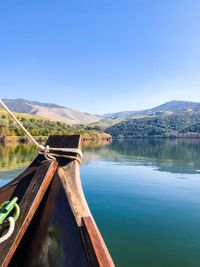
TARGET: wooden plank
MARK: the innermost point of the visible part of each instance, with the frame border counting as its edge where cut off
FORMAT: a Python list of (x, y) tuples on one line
[(54, 222), (7, 190), (53, 237), (64, 141), (98, 253), (69, 173), (28, 205), (69, 210)]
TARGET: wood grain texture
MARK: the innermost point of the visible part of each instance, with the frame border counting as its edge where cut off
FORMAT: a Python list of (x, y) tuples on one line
[(28, 205), (53, 237), (70, 178), (55, 219), (98, 253), (69, 173)]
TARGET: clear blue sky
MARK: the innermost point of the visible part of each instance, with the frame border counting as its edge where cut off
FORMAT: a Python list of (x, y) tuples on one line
[(100, 56)]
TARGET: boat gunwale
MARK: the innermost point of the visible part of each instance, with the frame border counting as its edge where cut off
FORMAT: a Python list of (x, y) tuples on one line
[(71, 183)]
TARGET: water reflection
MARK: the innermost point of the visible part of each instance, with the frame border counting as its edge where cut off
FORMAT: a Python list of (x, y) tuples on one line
[(147, 217), (169, 155), (15, 156), (94, 144), (145, 198)]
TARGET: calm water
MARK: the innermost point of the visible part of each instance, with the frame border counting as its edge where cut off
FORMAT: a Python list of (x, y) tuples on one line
[(144, 195)]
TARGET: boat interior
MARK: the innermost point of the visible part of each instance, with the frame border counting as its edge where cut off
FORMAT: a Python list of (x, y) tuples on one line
[(55, 227)]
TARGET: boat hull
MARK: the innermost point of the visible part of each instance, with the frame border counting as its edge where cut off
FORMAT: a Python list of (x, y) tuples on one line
[(59, 230)]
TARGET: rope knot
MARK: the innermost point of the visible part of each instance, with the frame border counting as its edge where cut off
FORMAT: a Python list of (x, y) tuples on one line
[(47, 149)]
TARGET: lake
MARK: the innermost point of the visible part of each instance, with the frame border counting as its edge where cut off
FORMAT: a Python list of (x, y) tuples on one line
[(143, 193)]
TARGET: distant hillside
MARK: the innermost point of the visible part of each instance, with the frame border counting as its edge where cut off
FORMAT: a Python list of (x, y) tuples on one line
[(174, 118), (174, 125), (169, 107), (41, 127), (50, 111)]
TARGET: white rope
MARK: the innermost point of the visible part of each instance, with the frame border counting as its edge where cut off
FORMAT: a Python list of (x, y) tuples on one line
[(70, 150), (10, 230), (53, 156), (46, 149), (23, 128)]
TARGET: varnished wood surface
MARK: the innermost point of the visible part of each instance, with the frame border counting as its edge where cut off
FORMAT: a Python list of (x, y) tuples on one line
[(22, 181), (53, 238), (69, 173), (28, 202), (61, 231), (97, 251)]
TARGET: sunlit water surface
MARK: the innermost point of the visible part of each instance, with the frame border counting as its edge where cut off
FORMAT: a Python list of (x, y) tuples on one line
[(143, 193)]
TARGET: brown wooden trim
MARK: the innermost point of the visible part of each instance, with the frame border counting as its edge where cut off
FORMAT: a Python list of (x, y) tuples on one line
[(28, 205), (96, 248), (64, 141), (31, 186), (69, 173)]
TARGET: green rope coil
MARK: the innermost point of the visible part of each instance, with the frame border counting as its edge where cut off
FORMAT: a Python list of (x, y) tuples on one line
[(7, 207)]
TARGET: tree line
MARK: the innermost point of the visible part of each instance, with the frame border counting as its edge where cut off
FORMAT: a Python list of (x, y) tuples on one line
[(42, 127), (175, 125)]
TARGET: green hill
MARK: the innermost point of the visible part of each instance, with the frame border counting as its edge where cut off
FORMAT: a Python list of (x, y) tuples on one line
[(41, 127), (174, 125)]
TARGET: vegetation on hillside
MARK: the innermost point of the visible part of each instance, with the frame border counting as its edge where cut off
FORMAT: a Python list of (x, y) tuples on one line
[(175, 125), (41, 127)]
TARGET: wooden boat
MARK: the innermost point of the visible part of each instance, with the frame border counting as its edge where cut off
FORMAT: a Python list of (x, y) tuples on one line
[(55, 227)]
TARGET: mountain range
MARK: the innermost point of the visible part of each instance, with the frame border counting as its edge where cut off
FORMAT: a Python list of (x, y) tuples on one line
[(50, 111), (173, 118), (163, 109)]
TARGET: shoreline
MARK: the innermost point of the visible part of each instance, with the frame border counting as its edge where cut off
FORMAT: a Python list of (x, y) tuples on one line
[(25, 140), (156, 137), (42, 139)]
